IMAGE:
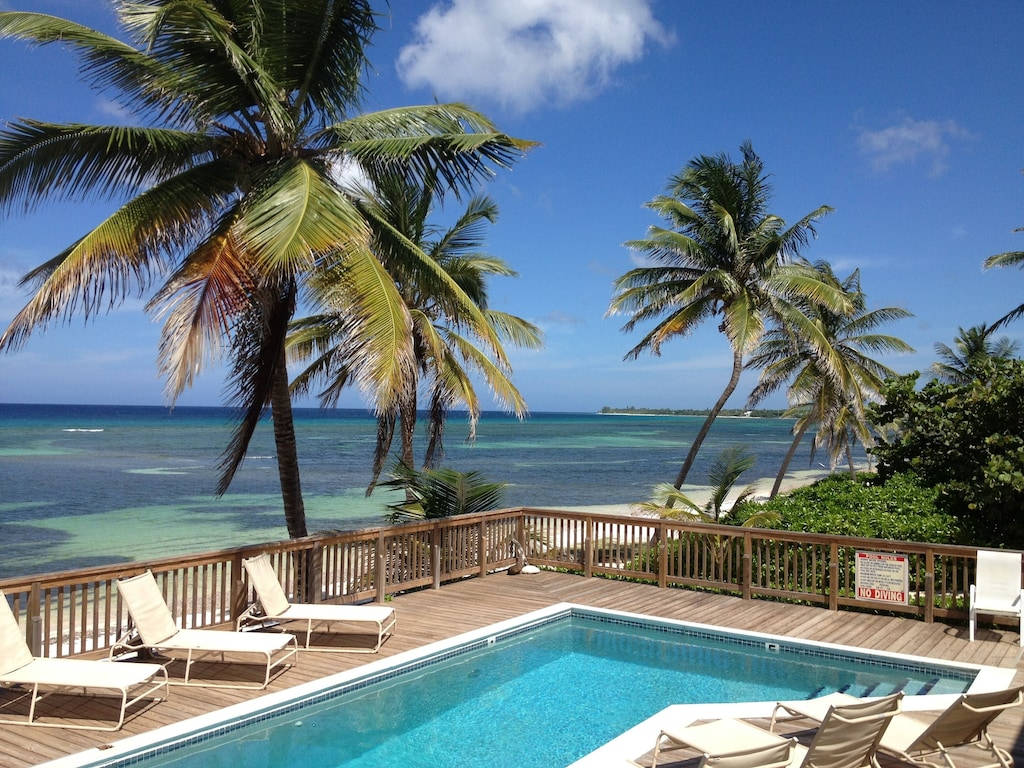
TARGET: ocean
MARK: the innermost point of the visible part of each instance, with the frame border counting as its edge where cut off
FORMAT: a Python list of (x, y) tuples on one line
[(85, 485)]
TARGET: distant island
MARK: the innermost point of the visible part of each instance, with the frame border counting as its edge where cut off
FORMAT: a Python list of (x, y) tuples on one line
[(631, 410)]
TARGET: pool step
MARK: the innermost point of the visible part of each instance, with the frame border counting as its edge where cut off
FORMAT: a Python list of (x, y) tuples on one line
[(900, 686), (928, 686)]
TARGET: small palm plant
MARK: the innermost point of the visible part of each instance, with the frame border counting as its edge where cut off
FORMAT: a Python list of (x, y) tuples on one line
[(442, 492), (726, 469), (972, 347)]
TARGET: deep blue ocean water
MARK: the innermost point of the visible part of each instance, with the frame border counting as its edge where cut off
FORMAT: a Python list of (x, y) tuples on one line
[(83, 484)]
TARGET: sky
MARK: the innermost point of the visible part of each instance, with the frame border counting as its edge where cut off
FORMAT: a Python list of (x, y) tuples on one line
[(905, 117)]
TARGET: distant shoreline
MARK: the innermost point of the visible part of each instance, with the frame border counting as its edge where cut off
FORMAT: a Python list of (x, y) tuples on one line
[(728, 413)]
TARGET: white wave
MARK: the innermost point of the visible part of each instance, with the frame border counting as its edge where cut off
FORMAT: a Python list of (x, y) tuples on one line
[(73, 429), (259, 457)]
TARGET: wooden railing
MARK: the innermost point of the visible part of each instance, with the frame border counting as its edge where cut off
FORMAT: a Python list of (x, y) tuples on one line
[(80, 611)]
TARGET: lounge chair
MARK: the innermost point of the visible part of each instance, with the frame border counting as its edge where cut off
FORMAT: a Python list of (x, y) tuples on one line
[(155, 630), (273, 605), (998, 588), (19, 667), (847, 738), (912, 738)]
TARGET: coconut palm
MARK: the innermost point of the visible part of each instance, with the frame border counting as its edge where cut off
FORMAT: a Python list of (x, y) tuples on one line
[(443, 492), (820, 392), (725, 471), (961, 363), (247, 110), (723, 256), (449, 344), (1008, 259)]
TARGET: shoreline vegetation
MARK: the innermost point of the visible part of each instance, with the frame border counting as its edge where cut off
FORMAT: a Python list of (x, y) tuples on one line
[(756, 413)]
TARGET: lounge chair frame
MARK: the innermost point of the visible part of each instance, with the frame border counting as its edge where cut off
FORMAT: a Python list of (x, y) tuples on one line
[(37, 677), (133, 641), (1002, 572), (934, 730), (123, 690), (272, 606)]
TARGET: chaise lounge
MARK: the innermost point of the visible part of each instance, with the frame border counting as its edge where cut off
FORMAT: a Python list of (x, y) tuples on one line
[(273, 605), (155, 630), (847, 738), (912, 738), (18, 667)]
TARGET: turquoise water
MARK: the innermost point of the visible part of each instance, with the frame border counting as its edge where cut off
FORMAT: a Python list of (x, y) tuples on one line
[(542, 698), (90, 485)]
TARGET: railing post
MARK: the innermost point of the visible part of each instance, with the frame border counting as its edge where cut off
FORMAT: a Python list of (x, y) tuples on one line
[(34, 621), (833, 577), (481, 546), (238, 596), (929, 585), (588, 548), (662, 554), (435, 554), (748, 566), (380, 578)]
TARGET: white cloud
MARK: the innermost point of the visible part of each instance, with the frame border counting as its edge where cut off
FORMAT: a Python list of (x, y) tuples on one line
[(112, 109), (909, 140), (528, 52)]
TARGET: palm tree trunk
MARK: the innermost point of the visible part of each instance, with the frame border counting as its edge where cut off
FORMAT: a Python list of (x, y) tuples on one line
[(789, 457), (849, 459), (407, 413), (737, 369), (287, 455)]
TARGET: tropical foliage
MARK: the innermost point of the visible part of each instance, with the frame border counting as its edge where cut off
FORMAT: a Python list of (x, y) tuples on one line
[(966, 441), (830, 393), (246, 112), (903, 509), (1008, 259), (449, 343), (726, 470), (972, 348), (723, 256), (442, 492)]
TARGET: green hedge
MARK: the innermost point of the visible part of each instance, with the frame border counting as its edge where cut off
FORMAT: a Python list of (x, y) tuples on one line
[(901, 509)]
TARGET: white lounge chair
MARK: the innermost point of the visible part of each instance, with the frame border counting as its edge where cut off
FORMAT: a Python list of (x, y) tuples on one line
[(997, 589), (155, 630), (847, 738), (912, 738), (19, 667), (273, 605)]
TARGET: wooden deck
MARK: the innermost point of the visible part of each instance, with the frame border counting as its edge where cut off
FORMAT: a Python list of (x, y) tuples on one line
[(431, 615)]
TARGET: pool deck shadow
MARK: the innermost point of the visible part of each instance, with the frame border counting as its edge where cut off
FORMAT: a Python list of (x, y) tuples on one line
[(430, 615)]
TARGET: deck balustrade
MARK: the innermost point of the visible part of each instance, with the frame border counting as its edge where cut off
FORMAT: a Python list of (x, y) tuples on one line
[(79, 612)]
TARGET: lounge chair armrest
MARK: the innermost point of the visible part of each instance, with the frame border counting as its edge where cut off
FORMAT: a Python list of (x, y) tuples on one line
[(997, 707)]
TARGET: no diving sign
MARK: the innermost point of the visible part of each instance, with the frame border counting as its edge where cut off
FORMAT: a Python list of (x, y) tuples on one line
[(882, 577)]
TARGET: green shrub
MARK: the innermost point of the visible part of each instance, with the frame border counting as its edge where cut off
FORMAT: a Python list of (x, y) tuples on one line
[(901, 509)]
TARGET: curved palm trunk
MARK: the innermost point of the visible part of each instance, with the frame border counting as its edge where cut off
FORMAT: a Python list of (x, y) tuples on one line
[(287, 455), (789, 457), (849, 458), (407, 414), (737, 368), (435, 433)]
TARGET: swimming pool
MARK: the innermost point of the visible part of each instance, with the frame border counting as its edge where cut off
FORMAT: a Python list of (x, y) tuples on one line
[(543, 692)]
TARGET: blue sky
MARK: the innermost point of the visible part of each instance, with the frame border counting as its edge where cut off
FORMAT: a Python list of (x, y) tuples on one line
[(903, 116)]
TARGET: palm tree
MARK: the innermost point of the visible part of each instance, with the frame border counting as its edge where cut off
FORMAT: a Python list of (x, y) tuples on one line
[(247, 110), (448, 343), (820, 392), (972, 347), (1008, 259), (433, 493), (723, 256), (725, 470)]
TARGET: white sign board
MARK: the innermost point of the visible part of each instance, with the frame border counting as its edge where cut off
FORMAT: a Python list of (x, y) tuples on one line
[(882, 577)]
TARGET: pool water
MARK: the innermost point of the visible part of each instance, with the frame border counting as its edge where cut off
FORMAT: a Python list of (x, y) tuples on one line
[(544, 697)]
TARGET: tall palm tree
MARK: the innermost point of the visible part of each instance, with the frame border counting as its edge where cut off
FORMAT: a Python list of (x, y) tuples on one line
[(1008, 259), (972, 347), (448, 343), (819, 392), (724, 256), (247, 108)]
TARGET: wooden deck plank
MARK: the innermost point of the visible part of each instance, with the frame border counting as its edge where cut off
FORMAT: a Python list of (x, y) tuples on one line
[(431, 615)]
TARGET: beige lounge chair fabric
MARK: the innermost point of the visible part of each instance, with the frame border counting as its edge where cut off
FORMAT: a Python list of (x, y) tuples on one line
[(19, 667), (915, 738), (997, 589), (152, 618), (847, 737), (274, 606)]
